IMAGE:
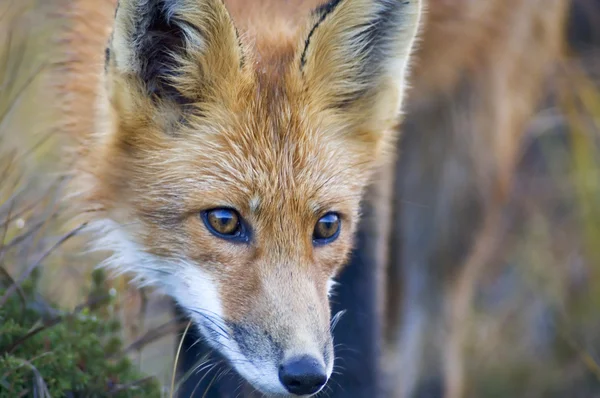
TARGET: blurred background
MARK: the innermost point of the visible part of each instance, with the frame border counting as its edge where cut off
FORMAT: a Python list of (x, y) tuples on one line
[(534, 330)]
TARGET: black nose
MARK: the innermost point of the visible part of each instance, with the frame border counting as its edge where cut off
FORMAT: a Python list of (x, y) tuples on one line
[(302, 376)]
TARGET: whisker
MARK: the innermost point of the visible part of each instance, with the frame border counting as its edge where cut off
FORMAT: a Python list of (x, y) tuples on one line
[(336, 318), (210, 385), (202, 378)]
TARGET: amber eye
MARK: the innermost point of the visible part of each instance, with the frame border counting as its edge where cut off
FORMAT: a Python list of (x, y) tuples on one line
[(225, 223), (327, 229)]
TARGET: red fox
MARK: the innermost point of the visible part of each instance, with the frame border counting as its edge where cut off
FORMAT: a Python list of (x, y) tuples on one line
[(229, 147), (228, 160)]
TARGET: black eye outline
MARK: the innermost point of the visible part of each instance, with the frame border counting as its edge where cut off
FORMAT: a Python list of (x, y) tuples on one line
[(325, 241), (240, 235)]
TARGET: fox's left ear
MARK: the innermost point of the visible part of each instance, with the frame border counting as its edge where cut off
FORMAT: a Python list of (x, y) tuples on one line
[(355, 56)]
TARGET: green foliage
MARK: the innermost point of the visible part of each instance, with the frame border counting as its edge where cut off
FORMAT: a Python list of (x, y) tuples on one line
[(45, 352)]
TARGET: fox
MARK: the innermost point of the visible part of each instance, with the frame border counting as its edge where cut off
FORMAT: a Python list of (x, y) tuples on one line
[(225, 164), (271, 164)]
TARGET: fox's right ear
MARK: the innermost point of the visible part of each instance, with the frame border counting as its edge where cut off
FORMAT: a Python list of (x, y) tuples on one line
[(176, 51)]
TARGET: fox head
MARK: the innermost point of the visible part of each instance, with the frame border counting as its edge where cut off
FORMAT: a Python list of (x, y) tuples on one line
[(228, 168)]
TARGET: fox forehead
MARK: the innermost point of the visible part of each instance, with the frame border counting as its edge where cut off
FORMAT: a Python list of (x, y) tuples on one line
[(260, 144), (255, 173)]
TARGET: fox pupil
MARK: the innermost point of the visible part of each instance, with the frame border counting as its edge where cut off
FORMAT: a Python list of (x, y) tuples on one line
[(327, 228), (224, 221)]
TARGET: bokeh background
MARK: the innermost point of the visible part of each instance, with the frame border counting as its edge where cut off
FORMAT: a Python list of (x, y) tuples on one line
[(534, 330)]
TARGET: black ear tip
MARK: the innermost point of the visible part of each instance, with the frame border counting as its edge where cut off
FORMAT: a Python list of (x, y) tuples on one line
[(326, 8)]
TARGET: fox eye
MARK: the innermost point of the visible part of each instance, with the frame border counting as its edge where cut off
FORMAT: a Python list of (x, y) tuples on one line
[(225, 223), (327, 229)]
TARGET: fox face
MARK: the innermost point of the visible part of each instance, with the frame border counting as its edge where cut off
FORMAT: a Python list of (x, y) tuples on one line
[(228, 167)]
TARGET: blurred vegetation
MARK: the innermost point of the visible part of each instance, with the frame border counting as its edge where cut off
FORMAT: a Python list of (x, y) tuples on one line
[(536, 326), (46, 352), (535, 329), (60, 329)]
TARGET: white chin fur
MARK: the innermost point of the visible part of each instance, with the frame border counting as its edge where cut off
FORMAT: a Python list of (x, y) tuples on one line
[(193, 288)]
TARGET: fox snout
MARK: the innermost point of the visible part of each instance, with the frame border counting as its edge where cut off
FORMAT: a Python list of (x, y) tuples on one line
[(277, 337), (285, 367)]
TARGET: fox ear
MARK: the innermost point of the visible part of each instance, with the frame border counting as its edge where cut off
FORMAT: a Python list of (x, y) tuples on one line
[(355, 55), (178, 50)]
